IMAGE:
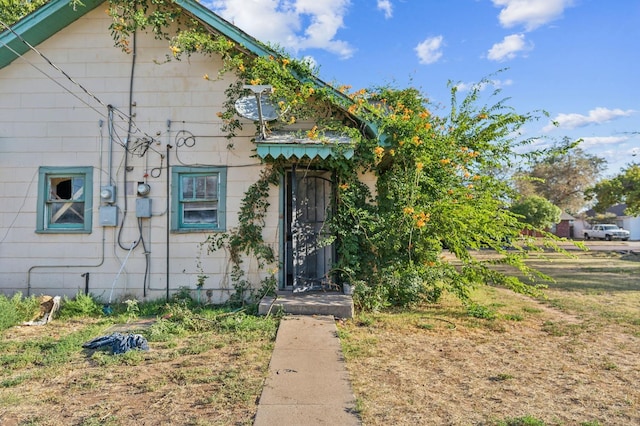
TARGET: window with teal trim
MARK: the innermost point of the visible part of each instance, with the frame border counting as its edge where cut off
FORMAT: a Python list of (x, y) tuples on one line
[(198, 195), (65, 199)]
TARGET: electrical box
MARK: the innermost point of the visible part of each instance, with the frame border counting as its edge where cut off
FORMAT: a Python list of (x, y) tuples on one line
[(108, 216), (143, 207), (108, 194)]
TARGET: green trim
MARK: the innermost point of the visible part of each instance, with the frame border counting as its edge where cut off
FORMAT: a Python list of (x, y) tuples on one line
[(40, 25), (176, 217), (42, 222), (299, 151)]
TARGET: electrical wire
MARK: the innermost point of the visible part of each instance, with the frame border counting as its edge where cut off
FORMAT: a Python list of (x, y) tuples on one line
[(122, 115)]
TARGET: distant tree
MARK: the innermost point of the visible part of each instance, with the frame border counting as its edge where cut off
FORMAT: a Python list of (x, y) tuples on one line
[(11, 11), (623, 188), (537, 211), (562, 176)]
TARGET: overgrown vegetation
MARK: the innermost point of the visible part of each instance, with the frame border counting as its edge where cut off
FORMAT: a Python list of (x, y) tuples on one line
[(438, 172), (17, 309)]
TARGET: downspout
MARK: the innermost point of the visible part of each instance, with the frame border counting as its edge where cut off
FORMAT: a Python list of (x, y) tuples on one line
[(168, 211)]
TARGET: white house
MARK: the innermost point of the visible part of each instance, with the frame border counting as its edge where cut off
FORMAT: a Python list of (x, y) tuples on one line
[(114, 167)]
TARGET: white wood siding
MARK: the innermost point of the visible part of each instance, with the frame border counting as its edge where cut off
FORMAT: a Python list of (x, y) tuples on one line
[(45, 120)]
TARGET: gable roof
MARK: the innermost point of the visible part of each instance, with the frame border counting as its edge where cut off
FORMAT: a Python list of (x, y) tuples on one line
[(39, 26), (52, 17), (617, 210)]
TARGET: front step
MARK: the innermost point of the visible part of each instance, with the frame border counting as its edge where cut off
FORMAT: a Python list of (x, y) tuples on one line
[(336, 304)]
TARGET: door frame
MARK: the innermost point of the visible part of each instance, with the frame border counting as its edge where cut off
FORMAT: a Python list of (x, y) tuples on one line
[(287, 199)]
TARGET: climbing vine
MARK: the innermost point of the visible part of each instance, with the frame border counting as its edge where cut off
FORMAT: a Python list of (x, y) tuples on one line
[(438, 173)]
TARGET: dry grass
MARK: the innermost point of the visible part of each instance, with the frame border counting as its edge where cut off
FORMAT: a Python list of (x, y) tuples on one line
[(573, 359), (204, 378)]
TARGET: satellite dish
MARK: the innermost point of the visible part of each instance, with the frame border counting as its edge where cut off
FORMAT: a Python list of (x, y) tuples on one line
[(247, 107)]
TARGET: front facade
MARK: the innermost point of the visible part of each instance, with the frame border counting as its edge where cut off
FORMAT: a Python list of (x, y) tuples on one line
[(94, 202)]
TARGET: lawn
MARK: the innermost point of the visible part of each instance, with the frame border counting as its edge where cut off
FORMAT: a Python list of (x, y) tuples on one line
[(572, 358), (205, 367)]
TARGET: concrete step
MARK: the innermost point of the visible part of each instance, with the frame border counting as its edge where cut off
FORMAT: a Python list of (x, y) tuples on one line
[(322, 303)]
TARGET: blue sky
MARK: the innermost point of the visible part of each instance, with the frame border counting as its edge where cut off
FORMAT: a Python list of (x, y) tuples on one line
[(579, 60)]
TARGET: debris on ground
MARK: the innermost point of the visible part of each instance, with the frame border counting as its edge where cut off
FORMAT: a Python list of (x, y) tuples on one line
[(118, 343), (48, 308)]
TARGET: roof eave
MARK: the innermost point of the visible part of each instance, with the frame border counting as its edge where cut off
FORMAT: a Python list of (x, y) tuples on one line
[(39, 26)]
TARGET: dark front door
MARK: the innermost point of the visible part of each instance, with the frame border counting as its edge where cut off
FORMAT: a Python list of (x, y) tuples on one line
[(309, 252)]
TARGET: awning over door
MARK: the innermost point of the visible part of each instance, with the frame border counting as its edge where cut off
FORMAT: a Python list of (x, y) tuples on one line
[(293, 145)]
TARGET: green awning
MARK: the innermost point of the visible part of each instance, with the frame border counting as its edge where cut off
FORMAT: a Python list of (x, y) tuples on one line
[(294, 145)]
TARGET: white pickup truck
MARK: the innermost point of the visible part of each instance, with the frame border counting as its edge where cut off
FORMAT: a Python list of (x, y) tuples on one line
[(606, 232)]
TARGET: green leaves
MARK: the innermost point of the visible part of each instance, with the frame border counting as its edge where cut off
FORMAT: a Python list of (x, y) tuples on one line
[(623, 188)]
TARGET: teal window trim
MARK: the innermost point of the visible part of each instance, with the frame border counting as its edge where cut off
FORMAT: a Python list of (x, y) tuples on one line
[(182, 198), (50, 211)]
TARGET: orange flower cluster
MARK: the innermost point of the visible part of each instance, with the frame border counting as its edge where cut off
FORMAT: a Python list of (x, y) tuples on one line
[(421, 219), (313, 133)]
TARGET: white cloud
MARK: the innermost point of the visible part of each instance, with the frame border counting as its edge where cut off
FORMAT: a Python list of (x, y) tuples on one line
[(530, 13), (509, 48), (498, 84), (602, 140), (386, 7), (596, 116), (429, 51), (293, 24)]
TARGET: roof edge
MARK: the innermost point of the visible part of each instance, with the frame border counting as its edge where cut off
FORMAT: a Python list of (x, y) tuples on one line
[(39, 26)]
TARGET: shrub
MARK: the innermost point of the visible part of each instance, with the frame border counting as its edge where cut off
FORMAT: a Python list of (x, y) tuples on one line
[(17, 309), (80, 306)]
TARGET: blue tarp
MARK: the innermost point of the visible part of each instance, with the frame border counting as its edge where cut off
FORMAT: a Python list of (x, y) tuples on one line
[(118, 343)]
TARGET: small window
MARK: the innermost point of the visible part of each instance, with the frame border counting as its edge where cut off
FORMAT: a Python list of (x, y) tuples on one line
[(65, 199), (198, 195)]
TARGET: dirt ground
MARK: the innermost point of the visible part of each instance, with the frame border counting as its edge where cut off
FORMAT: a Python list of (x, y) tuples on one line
[(201, 380), (554, 367)]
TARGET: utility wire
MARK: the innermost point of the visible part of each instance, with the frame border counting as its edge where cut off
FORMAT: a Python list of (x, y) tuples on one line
[(122, 115)]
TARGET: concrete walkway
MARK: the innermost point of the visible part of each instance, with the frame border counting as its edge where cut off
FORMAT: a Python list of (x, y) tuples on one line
[(308, 383)]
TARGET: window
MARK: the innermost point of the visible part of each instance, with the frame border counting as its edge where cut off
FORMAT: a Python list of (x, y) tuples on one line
[(198, 198), (65, 199)]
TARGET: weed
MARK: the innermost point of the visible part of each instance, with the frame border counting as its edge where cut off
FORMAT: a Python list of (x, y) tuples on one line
[(426, 326), (522, 421), (13, 381), (17, 309), (513, 317), (478, 311), (501, 377), (81, 306)]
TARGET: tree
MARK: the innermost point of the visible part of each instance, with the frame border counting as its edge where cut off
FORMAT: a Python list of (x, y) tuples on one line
[(11, 11), (623, 188), (562, 176), (537, 211)]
